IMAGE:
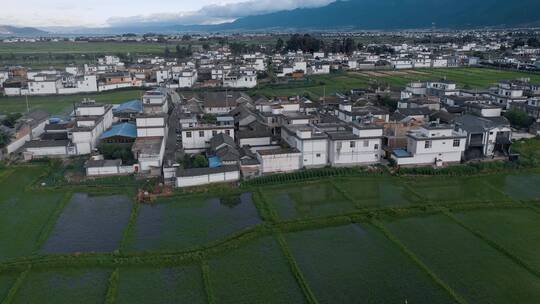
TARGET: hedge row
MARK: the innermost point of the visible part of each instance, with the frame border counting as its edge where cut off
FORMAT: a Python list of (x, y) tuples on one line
[(309, 175), (462, 170)]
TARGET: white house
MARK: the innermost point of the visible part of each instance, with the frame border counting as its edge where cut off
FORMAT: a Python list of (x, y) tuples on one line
[(484, 135), (360, 146), (400, 64), (155, 102), (151, 125), (507, 93), (431, 145), (91, 120), (240, 79), (310, 141), (196, 139), (149, 152), (45, 86), (4, 75), (187, 78)]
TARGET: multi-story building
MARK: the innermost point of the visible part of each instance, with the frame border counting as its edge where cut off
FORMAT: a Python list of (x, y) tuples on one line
[(431, 145)]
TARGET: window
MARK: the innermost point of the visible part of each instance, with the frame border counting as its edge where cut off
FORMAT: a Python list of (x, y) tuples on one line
[(214, 133), (353, 144), (376, 146), (457, 142), (318, 155), (228, 132), (366, 143), (188, 134), (201, 133), (429, 144)]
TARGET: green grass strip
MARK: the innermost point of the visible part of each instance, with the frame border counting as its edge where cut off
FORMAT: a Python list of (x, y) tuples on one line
[(49, 226), (205, 268), (418, 262), (493, 244), (266, 211), (112, 289), (344, 193), (298, 275), (130, 229), (16, 286)]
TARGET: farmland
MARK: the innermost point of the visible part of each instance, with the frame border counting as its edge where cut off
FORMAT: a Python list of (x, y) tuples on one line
[(314, 87), (318, 86), (368, 239), (63, 104)]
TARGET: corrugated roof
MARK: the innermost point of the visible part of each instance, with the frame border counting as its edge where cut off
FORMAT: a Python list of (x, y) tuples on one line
[(133, 106), (124, 130)]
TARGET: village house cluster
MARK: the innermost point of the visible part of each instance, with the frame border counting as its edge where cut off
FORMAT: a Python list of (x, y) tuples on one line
[(242, 136), (221, 68)]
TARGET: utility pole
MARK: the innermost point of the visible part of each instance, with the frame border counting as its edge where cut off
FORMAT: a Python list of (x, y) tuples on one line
[(27, 105)]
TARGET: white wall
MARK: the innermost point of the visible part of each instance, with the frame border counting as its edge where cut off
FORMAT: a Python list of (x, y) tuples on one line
[(47, 151), (222, 177), (342, 154), (280, 162), (254, 142)]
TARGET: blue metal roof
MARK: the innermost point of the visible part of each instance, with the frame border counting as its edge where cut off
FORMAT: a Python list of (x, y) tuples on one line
[(124, 129), (133, 106), (401, 153), (214, 162)]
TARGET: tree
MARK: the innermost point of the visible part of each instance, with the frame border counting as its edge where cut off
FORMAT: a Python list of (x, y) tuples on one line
[(519, 118), (11, 119), (167, 52), (200, 161), (117, 151), (206, 46), (209, 119), (238, 48), (348, 46), (4, 139), (279, 45)]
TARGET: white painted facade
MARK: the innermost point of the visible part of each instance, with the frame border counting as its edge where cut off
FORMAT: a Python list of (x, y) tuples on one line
[(240, 81), (151, 126), (187, 78), (363, 148), (274, 161), (86, 133), (197, 139), (432, 146), (312, 144)]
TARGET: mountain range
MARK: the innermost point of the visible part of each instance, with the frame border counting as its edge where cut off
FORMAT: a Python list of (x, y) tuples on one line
[(399, 14), (348, 15), (6, 30)]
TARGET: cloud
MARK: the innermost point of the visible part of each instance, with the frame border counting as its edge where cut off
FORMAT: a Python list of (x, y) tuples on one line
[(218, 13)]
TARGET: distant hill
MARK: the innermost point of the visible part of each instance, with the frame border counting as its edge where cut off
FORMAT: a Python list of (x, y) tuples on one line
[(399, 14), (356, 15), (6, 30)]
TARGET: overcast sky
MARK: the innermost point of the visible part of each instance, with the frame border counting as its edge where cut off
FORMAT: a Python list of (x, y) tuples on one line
[(124, 12)]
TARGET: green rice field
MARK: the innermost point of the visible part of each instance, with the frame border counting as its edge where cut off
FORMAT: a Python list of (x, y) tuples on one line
[(373, 239), (63, 104), (161, 285), (63, 286), (326, 85), (254, 272)]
